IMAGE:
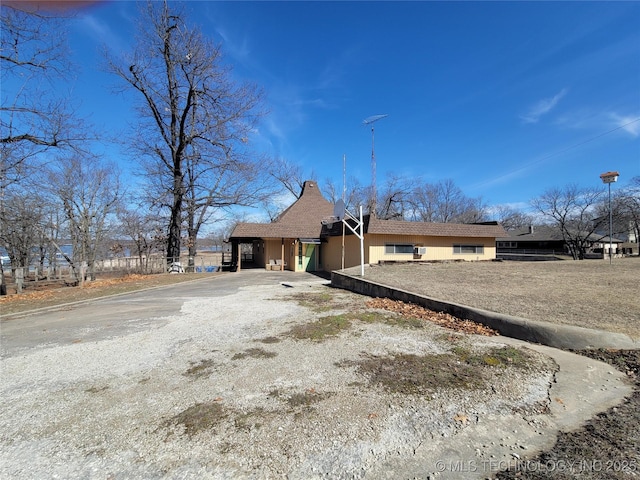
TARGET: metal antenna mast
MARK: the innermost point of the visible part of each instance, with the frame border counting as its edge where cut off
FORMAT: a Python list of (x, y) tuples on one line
[(370, 121)]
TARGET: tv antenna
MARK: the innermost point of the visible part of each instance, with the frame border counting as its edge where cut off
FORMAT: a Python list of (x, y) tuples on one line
[(370, 121)]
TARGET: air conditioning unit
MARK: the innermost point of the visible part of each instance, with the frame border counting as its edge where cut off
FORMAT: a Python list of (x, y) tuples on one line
[(419, 250)]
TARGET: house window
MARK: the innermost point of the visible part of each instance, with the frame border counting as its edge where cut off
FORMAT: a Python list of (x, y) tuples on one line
[(392, 248), (507, 244), (468, 249), (300, 254)]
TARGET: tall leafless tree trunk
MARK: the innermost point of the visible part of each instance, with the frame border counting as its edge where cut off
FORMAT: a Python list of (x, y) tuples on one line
[(193, 117)]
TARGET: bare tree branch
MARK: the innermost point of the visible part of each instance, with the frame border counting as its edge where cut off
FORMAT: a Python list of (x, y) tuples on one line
[(194, 122)]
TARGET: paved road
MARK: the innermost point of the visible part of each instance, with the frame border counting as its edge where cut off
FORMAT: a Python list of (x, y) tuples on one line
[(123, 314)]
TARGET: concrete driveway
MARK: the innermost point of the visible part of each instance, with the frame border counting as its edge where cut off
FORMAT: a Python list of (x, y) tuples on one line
[(124, 314)]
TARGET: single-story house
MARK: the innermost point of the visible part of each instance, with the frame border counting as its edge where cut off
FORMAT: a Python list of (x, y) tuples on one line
[(548, 240), (303, 238)]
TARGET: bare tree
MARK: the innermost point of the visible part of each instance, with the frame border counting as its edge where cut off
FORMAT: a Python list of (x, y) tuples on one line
[(355, 194), (626, 210), (290, 175), (573, 210), (193, 116), (444, 202), (144, 230), (473, 210), (35, 117), (88, 193), (218, 185), (34, 60), (511, 218), (22, 226), (393, 198)]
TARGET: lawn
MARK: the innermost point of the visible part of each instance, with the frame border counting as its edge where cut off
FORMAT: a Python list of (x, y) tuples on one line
[(588, 293)]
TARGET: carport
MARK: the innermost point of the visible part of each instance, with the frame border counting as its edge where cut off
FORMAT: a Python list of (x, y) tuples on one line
[(292, 240)]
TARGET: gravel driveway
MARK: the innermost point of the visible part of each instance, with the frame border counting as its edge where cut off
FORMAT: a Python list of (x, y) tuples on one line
[(230, 387)]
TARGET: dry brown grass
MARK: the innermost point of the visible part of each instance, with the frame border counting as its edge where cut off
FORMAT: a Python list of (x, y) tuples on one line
[(588, 293)]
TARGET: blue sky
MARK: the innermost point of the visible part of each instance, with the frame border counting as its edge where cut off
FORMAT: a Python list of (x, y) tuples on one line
[(506, 99)]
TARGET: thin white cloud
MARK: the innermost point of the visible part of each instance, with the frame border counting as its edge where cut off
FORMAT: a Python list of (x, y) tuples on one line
[(238, 49), (606, 122), (102, 33), (542, 107), (628, 123)]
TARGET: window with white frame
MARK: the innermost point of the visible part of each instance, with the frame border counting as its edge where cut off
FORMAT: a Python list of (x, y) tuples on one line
[(392, 248), (468, 249)]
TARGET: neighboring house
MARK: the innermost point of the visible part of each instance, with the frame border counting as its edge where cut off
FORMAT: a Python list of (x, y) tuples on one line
[(630, 245), (298, 241), (546, 240)]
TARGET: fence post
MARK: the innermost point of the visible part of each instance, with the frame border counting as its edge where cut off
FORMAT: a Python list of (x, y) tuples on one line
[(82, 270), (19, 279)]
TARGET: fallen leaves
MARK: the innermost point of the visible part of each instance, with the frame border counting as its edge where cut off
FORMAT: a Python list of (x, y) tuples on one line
[(462, 418), (439, 318), (132, 277), (42, 295)]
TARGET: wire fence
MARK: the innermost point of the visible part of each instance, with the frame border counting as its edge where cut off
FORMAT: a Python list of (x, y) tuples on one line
[(35, 277)]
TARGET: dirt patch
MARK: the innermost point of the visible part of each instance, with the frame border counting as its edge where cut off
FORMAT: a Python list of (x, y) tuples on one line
[(418, 375), (605, 448), (321, 329), (199, 369), (269, 340), (199, 417), (307, 398), (316, 301), (254, 353), (464, 368)]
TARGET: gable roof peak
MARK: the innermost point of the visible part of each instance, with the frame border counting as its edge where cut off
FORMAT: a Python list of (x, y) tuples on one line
[(309, 186)]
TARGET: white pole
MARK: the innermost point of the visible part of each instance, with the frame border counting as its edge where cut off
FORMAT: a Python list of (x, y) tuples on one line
[(344, 194), (610, 229), (361, 244)]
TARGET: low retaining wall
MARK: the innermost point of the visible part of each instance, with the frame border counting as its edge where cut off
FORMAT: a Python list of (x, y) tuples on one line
[(546, 333), (523, 257)]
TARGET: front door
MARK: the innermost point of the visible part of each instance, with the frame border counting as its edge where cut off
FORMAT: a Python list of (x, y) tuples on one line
[(309, 261)]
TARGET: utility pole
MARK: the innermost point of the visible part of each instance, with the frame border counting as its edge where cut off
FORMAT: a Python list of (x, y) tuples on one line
[(370, 121)]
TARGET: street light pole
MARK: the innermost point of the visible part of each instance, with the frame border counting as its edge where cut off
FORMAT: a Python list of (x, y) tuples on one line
[(610, 227), (609, 178)]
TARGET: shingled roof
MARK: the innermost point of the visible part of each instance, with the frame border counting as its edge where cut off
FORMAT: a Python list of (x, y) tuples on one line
[(301, 220), (399, 227)]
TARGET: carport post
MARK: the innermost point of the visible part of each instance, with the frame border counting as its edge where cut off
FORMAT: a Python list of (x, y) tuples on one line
[(238, 256), (282, 255)]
